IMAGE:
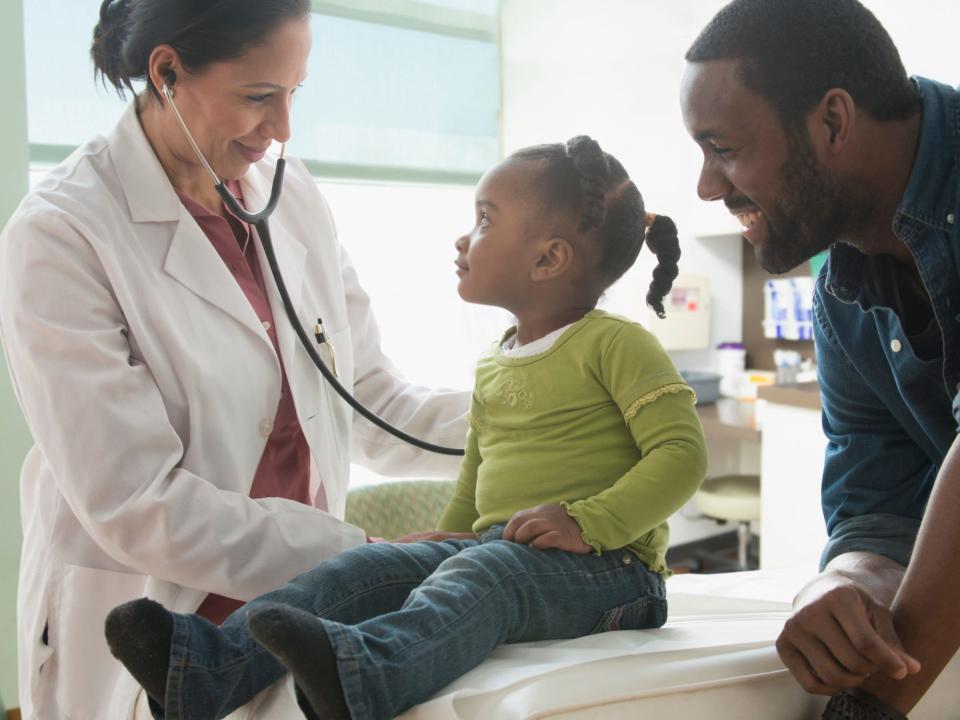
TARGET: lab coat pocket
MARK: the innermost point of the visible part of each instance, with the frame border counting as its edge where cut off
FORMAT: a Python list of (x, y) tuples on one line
[(36, 659), (77, 636), (342, 342), (338, 412)]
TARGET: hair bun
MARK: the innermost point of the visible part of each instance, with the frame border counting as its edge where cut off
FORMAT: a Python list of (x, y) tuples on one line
[(113, 17), (108, 39)]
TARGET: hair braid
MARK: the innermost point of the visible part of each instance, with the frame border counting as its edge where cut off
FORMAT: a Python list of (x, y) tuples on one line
[(582, 183), (593, 168), (663, 240)]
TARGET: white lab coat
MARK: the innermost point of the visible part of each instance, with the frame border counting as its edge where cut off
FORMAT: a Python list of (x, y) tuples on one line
[(150, 388)]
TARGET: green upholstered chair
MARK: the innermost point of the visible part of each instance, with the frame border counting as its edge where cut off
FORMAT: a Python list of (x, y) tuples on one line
[(394, 509)]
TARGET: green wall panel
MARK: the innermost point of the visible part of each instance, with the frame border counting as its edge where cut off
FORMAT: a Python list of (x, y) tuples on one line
[(14, 438)]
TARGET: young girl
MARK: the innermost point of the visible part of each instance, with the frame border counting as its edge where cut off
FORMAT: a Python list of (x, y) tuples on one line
[(583, 441)]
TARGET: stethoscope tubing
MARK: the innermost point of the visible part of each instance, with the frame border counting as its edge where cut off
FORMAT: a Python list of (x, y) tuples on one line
[(263, 230), (260, 221)]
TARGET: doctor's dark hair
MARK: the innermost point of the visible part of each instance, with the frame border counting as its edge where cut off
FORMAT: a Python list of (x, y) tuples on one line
[(592, 188), (201, 31), (793, 52)]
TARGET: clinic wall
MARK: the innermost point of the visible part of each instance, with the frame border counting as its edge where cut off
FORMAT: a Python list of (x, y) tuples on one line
[(14, 438)]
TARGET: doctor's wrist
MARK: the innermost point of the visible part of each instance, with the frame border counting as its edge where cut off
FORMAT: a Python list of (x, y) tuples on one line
[(856, 704)]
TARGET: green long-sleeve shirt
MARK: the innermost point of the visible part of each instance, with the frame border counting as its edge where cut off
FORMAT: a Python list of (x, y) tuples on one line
[(601, 423)]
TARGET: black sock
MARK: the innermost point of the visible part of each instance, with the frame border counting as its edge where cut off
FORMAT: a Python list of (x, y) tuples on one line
[(139, 634), (298, 640)]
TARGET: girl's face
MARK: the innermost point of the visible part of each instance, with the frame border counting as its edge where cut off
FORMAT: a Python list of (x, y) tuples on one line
[(495, 259), (237, 108)]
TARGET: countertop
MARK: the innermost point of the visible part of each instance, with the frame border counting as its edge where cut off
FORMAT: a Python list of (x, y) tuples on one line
[(729, 419), (803, 395), (733, 419)]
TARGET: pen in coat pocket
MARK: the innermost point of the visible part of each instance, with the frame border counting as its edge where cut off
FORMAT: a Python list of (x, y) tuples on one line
[(323, 340)]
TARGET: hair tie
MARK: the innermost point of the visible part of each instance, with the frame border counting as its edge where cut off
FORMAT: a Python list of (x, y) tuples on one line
[(651, 218)]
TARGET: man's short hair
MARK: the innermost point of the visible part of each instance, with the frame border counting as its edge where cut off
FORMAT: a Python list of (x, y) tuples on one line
[(794, 51)]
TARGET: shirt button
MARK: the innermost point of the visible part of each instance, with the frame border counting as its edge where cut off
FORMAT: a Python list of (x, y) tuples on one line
[(896, 345), (266, 325), (950, 218), (266, 427)]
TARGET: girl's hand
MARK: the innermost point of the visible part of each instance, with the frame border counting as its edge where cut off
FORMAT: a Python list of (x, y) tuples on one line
[(435, 536), (546, 526)]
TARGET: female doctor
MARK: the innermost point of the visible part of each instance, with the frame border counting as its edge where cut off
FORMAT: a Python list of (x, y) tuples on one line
[(186, 448)]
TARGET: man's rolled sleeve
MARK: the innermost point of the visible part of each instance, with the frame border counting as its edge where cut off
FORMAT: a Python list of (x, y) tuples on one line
[(892, 536)]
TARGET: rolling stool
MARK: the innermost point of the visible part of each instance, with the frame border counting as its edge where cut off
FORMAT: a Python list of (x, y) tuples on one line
[(733, 498)]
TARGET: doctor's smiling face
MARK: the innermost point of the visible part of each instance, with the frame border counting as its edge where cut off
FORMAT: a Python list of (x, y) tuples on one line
[(234, 108), (791, 207)]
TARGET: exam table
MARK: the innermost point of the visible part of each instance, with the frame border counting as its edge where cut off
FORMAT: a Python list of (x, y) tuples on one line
[(715, 658)]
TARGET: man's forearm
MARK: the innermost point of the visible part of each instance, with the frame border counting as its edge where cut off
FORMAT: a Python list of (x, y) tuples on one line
[(879, 575), (925, 607)]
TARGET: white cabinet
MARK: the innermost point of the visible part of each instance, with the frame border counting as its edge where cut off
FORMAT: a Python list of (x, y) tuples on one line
[(792, 529)]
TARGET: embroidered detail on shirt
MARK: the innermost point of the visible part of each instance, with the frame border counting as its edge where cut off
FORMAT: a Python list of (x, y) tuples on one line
[(516, 393), (475, 423), (655, 395)]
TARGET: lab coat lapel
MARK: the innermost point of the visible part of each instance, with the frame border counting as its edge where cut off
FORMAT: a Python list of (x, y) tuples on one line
[(191, 258), (193, 261), (291, 258)]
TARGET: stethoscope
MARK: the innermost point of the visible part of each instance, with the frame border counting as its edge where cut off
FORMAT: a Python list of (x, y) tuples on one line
[(259, 220)]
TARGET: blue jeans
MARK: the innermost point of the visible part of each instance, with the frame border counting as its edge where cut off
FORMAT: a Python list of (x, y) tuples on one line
[(406, 620)]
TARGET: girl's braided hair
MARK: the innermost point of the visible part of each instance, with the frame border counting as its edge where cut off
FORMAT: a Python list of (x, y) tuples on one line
[(581, 180)]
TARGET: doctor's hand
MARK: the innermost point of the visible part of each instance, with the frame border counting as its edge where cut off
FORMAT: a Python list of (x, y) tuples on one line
[(435, 536), (544, 527), (839, 635)]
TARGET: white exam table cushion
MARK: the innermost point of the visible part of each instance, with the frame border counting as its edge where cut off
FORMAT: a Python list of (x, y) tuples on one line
[(715, 658)]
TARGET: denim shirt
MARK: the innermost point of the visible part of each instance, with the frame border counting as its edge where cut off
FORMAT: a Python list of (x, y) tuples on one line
[(889, 413)]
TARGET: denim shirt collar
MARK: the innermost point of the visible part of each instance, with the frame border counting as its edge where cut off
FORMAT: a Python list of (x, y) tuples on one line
[(929, 200)]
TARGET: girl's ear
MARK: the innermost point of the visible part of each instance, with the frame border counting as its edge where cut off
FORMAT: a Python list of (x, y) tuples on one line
[(554, 258)]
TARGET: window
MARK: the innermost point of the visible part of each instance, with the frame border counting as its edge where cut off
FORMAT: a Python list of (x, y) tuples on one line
[(393, 101), (397, 89)]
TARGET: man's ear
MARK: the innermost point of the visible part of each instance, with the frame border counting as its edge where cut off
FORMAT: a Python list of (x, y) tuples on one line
[(833, 121), (554, 258)]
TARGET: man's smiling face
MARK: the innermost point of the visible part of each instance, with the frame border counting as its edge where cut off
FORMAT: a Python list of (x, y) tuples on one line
[(788, 203)]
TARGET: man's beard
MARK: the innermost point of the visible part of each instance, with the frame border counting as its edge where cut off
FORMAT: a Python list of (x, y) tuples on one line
[(810, 213)]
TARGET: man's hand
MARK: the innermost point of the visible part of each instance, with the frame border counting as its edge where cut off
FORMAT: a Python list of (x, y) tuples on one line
[(546, 526), (839, 635), (435, 536)]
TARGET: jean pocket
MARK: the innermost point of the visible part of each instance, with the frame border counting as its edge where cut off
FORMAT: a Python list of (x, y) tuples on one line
[(642, 613)]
